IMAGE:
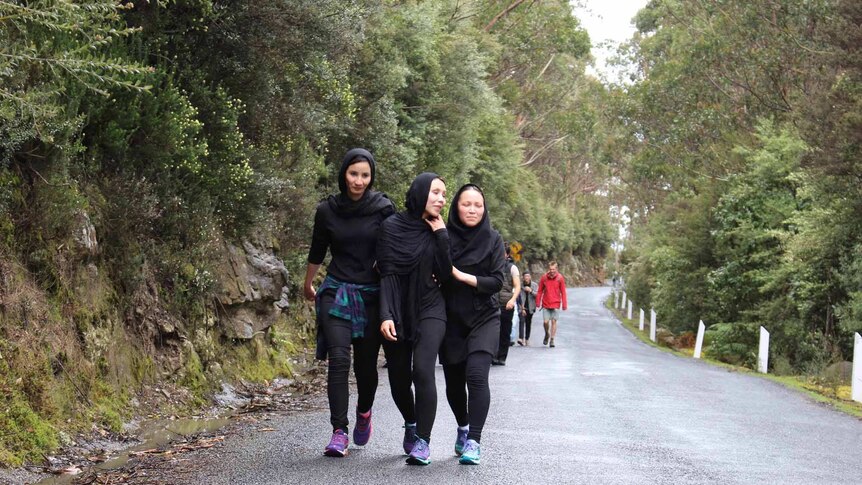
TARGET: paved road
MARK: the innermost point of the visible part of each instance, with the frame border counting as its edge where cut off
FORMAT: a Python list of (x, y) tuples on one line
[(600, 408)]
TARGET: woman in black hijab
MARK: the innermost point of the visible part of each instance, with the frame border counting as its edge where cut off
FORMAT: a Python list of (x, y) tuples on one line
[(412, 251), (347, 303), (473, 317)]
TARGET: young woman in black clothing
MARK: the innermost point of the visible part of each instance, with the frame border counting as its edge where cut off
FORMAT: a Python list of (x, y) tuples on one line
[(413, 250), (347, 303), (473, 316)]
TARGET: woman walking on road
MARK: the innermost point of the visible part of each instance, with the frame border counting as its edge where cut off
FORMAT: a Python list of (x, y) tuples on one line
[(473, 317), (347, 303), (413, 250)]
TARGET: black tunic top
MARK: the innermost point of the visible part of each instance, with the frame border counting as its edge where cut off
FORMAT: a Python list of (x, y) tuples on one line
[(464, 302), (352, 240), (436, 261), (473, 314)]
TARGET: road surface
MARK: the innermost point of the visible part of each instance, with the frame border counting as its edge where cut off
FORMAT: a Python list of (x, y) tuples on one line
[(600, 408)]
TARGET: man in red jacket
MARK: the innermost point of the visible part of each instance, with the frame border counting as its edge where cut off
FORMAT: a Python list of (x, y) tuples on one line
[(550, 298)]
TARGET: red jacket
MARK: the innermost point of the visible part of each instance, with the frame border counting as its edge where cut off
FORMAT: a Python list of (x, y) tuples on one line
[(552, 292)]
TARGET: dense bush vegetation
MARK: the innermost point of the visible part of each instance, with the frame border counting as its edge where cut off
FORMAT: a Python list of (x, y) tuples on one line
[(741, 166)]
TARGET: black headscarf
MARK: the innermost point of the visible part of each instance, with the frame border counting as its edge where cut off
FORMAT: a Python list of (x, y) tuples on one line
[(370, 202), (406, 235), (404, 238), (469, 245)]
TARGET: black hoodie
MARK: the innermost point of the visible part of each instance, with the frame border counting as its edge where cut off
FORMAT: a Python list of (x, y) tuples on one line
[(349, 229)]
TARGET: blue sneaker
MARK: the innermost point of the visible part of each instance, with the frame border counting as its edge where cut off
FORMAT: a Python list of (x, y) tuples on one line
[(420, 454), (471, 453), (460, 441), (337, 446), (362, 430), (409, 437)]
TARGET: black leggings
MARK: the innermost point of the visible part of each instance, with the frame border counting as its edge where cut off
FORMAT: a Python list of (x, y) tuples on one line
[(524, 323), (470, 378), (365, 351), (506, 317), (398, 355), (425, 350)]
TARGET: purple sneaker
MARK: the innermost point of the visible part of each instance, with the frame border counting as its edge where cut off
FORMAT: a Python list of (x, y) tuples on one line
[(460, 441), (420, 454), (363, 428), (409, 437), (337, 446)]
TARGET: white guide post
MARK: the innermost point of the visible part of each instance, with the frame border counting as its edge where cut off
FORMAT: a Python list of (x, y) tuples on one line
[(652, 324), (630, 310), (641, 324), (763, 351), (616, 298), (856, 386), (698, 346), (623, 302)]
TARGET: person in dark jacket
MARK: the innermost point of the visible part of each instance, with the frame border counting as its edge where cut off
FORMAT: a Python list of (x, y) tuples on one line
[(473, 317), (413, 254), (509, 296), (347, 303)]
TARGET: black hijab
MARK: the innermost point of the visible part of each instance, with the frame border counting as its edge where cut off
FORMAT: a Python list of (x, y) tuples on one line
[(370, 202), (469, 245), (404, 239), (406, 235)]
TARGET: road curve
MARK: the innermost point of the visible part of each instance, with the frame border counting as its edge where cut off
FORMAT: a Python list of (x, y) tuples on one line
[(600, 408)]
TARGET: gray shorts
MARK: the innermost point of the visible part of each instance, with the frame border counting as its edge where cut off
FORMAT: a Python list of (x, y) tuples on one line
[(550, 313)]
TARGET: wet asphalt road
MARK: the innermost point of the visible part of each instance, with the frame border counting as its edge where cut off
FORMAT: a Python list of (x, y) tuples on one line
[(600, 408)]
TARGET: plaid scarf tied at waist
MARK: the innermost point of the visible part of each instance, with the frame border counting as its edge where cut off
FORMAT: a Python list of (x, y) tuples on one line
[(348, 303)]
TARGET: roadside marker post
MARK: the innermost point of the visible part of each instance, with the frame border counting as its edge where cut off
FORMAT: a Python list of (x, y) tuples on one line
[(698, 346), (652, 325), (641, 324), (763, 352), (856, 380)]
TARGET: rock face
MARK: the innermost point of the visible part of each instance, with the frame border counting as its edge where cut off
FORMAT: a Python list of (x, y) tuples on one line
[(577, 271), (253, 294), (84, 234), (158, 330)]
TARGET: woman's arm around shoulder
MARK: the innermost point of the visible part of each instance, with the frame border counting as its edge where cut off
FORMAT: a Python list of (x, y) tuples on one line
[(493, 281)]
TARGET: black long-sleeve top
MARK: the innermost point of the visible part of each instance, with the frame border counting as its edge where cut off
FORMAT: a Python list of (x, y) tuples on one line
[(352, 240), (436, 261), (465, 302)]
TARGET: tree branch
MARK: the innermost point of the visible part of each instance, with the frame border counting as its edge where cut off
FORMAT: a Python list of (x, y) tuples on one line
[(502, 14)]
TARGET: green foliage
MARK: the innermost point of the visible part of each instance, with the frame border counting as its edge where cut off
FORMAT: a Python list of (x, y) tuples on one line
[(740, 152), (753, 221), (48, 49), (733, 343), (25, 433)]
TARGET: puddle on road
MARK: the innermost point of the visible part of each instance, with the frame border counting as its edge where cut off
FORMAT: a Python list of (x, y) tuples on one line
[(153, 434), (588, 314), (616, 369)]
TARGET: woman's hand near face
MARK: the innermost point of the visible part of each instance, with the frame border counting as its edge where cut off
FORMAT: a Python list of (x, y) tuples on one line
[(387, 328), (436, 223)]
